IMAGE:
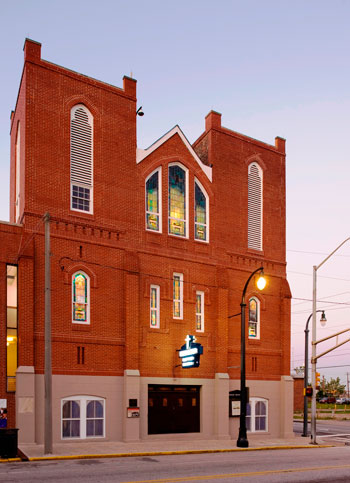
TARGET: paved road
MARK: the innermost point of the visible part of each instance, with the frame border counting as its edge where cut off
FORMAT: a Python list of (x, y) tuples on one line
[(321, 465), (330, 430)]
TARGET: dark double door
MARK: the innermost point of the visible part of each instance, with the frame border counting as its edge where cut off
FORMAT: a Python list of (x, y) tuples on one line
[(173, 409)]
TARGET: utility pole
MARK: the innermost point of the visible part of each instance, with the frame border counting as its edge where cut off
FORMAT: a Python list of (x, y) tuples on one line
[(48, 364), (347, 383)]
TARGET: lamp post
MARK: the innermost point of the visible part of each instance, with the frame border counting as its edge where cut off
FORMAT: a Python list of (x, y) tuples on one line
[(323, 320), (313, 357), (242, 441)]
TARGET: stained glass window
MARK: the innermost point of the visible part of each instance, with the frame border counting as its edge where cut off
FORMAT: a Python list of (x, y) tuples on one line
[(154, 306), (200, 311), (177, 200), (80, 298), (253, 318), (152, 202), (200, 214), (177, 296)]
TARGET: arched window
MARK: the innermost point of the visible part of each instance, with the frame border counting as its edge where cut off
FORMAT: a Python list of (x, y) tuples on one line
[(153, 201), (155, 307), (83, 417), (256, 416), (80, 298), (178, 204), (81, 159), (201, 213), (254, 207), (254, 318)]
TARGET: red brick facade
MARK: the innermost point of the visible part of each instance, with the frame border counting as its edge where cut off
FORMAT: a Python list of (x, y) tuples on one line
[(121, 257)]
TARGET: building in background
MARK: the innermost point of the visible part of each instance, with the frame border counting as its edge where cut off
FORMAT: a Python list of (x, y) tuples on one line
[(148, 247)]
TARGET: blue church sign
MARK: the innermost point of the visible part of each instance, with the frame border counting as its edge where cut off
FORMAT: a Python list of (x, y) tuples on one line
[(190, 352)]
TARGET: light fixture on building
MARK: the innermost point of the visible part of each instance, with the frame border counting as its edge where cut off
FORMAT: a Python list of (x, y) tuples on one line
[(140, 112)]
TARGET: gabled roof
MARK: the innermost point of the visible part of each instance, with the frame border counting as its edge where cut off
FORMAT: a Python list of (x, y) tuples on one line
[(141, 154)]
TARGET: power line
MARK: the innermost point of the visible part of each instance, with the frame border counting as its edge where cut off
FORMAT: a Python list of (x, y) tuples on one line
[(316, 253), (310, 300), (319, 276)]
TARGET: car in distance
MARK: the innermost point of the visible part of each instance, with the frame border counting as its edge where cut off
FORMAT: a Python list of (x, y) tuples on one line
[(327, 400)]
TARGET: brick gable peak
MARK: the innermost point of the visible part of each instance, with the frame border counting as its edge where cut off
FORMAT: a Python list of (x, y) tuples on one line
[(141, 154)]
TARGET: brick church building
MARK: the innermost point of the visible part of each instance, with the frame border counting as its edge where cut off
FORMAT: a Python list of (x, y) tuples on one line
[(149, 248)]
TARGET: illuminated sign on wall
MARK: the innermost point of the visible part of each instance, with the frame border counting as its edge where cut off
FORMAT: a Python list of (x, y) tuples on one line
[(190, 352)]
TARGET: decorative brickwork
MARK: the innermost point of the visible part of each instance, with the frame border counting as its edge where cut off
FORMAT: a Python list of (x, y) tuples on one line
[(121, 257)]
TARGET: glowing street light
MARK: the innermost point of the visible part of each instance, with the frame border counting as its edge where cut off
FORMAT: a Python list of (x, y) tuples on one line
[(242, 441)]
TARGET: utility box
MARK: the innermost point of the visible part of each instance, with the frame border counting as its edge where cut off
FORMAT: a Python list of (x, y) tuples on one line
[(8, 442)]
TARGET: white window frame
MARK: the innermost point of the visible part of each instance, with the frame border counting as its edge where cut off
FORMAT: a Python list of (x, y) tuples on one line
[(196, 181), (255, 229), (186, 201), (201, 313), (87, 321), (258, 318), (18, 171), (78, 183), (253, 401), (155, 309), (159, 214), (83, 402), (181, 277)]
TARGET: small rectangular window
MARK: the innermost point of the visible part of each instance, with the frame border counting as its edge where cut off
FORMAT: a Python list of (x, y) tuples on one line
[(80, 198), (154, 307), (178, 296), (200, 311)]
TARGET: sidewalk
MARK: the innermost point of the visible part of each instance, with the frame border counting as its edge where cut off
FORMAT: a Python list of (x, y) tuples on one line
[(115, 449)]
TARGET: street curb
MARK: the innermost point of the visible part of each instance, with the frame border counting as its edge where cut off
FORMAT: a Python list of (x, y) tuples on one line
[(168, 453), (9, 460)]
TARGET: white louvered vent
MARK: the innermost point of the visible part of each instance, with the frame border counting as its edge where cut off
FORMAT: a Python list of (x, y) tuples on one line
[(81, 158), (254, 207)]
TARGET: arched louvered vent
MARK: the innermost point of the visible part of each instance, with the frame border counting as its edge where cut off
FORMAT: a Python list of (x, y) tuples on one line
[(254, 207), (81, 158)]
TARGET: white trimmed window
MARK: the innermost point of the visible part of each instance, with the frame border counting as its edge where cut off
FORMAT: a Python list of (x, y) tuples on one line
[(81, 159), (178, 200), (153, 201), (254, 318), (18, 170), (83, 417), (154, 306), (178, 296), (255, 206), (199, 311), (80, 298), (201, 213), (257, 415)]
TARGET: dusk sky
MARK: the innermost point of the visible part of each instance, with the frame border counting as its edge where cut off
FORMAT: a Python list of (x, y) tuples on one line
[(272, 68)]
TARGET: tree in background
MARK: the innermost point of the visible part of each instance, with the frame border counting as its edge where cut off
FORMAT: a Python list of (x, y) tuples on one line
[(299, 370), (334, 387)]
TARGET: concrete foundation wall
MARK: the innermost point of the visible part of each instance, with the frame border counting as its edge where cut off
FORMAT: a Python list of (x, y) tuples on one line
[(109, 388), (215, 422)]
